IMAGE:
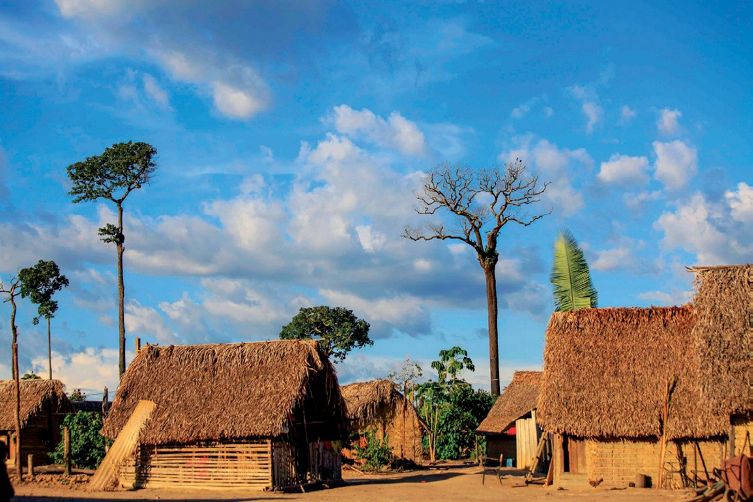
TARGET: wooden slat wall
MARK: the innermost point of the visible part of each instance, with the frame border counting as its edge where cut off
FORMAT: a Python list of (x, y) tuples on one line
[(284, 464), (223, 465), (526, 441), (618, 461)]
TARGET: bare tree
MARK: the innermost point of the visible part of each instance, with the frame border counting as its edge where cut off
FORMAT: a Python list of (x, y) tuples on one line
[(12, 290), (480, 203)]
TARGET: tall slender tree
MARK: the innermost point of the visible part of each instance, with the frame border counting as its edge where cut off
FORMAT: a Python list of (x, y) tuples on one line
[(571, 279), (480, 203), (40, 283), (12, 290), (121, 169), (452, 362)]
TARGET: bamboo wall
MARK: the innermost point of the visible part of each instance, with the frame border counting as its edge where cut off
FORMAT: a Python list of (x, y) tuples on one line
[(618, 462)]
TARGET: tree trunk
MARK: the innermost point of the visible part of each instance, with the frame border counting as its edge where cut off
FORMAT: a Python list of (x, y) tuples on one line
[(491, 306), (49, 347), (121, 296), (17, 381)]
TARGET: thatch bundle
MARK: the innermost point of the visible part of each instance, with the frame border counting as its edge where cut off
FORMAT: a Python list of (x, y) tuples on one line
[(722, 334), (606, 372), (364, 400), (34, 395), (227, 391), (518, 399)]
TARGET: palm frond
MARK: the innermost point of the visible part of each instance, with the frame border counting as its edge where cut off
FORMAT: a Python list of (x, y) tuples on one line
[(570, 276)]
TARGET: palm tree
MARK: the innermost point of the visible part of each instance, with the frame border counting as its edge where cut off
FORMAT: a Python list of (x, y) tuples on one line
[(573, 289)]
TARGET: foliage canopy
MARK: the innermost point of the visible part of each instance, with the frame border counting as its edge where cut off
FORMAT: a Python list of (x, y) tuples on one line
[(39, 283), (87, 444)]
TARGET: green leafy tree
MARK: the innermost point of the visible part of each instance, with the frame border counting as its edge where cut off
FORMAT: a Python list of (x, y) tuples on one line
[(113, 175), (77, 396), (456, 434), (31, 376), (571, 279), (480, 203), (11, 290), (40, 283), (87, 444), (377, 452), (452, 362), (338, 328)]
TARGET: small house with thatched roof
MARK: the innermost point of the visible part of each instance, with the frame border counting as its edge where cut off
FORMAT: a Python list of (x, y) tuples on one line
[(43, 407), (380, 406), (510, 427), (657, 392), (258, 415)]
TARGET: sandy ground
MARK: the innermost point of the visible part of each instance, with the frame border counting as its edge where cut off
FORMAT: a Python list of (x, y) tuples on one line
[(454, 483)]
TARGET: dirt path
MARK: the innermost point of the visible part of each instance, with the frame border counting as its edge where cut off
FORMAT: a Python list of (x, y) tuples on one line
[(453, 484)]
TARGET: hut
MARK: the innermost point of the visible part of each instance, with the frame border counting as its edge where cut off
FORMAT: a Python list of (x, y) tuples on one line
[(260, 415), (380, 406), (510, 427), (622, 384), (43, 407)]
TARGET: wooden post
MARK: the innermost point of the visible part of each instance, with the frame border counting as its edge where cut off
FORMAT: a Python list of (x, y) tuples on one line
[(30, 465), (559, 459), (137, 341), (731, 447), (67, 451), (271, 465)]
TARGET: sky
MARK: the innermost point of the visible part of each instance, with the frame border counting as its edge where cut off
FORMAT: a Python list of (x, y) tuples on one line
[(292, 134)]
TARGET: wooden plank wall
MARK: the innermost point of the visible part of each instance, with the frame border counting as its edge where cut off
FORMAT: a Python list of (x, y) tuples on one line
[(220, 465), (527, 441), (618, 462)]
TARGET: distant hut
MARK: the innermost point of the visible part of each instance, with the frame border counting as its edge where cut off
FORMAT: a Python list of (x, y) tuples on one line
[(43, 407), (379, 405), (256, 415), (510, 427), (607, 372)]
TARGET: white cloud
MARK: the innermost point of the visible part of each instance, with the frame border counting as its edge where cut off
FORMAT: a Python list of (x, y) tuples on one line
[(157, 93), (90, 370), (614, 259), (370, 239), (741, 203), (522, 110), (548, 112), (406, 313), (626, 115), (236, 102), (624, 170), (594, 113), (662, 298), (395, 132), (89, 8), (142, 320), (676, 163), (668, 122), (638, 201)]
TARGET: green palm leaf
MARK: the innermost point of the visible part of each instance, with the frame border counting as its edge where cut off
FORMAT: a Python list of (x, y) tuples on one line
[(570, 277)]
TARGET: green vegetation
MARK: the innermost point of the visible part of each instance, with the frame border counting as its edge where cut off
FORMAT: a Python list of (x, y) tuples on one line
[(87, 444), (338, 329), (376, 453), (570, 277)]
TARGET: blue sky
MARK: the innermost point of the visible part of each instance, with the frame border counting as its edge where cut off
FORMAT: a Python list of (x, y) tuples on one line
[(291, 135)]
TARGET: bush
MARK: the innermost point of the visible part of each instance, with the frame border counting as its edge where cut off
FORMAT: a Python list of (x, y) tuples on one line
[(87, 444), (377, 453)]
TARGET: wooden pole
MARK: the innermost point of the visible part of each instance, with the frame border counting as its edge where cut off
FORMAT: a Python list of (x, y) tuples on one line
[(17, 409), (137, 342), (695, 466), (67, 451), (558, 458), (30, 466)]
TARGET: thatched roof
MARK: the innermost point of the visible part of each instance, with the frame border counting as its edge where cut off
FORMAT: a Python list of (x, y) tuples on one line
[(518, 399), (228, 391), (34, 394), (364, 399), (724, 305)]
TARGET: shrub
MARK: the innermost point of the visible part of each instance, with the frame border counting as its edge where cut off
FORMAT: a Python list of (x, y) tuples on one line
[(87, 444), (376, 453)]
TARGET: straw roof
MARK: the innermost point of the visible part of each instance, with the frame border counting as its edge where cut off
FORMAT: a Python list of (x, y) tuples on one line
[(34, 395), (364, 399), (518, 399), (723, 305), (606, 373), (228, 391)]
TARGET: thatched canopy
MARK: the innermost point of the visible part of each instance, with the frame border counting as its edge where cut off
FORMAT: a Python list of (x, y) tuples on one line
[(35, 394), (229, 391), (365, 399), (723, 305), (518, 399)]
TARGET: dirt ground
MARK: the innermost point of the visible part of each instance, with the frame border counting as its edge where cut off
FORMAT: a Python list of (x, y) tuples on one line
[(452, 484)]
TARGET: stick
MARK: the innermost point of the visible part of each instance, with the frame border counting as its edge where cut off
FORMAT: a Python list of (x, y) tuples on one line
[(67, 451), (703, 462)]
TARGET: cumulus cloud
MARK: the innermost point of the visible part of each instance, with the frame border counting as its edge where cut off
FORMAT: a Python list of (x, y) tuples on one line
[(624, 170), (89, 370), (708, 230), (741, 203), (626, 115), (395, 132), (676, 163), (594, 113), (669, 122)]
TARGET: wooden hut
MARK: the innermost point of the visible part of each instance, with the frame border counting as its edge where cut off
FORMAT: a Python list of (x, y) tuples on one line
[(258, 415), (609, 375), (43, 407), (379, 405), (510, 427)]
